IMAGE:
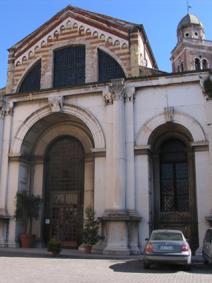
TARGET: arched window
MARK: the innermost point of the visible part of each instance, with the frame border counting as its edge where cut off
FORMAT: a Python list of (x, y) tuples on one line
[(197, 64), (204, 64), (181, 67), (108, 67), (31, 81), (69, 66), (174, 190)]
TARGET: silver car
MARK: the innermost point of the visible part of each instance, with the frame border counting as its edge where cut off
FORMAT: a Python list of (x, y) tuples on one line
[(167, 246), (207, 247)]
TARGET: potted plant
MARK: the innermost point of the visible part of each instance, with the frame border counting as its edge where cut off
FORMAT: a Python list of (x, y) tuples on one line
[(54, 246), (90, 230), (27, 209)]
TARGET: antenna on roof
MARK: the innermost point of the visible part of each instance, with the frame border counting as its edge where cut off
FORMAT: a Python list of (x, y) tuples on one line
[(188, 7)]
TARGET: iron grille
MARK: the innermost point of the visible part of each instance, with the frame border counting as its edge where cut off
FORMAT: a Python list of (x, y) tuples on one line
[(32, 80), (108, 67), (64, 191), (69, 66), (174, 190)]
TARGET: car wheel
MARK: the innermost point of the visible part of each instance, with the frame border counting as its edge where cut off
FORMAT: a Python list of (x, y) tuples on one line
[(146, 265)]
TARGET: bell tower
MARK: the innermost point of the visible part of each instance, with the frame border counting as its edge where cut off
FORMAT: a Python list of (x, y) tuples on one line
[(192, 51)]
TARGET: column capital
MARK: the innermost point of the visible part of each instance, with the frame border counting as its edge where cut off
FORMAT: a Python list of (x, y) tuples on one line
[(116, 91)]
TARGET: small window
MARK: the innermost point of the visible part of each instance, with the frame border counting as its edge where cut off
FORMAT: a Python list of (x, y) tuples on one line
[(196, 34), (187, 34), (108, 67), (31, 81)]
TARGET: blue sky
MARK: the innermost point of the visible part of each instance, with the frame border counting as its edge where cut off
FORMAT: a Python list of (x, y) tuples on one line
[(18, 18)]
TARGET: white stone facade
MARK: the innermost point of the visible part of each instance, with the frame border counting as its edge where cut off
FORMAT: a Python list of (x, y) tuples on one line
[(118, 124)]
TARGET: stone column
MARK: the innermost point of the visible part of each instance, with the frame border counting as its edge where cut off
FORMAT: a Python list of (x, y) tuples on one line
[(99, 181), (12, 188), (143, 191), (89, 183), (203, 190), (7, 113), (115, 216), (36, 186), (130, 172)]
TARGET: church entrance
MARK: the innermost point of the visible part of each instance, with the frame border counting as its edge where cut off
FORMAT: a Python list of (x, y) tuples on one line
[(64, 190), (174, 205)]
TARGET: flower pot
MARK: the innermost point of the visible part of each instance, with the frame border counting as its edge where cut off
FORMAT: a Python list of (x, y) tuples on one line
[(26, 241), (88, 248)]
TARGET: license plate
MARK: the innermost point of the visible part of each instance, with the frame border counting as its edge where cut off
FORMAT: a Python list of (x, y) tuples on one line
[(166, 248)]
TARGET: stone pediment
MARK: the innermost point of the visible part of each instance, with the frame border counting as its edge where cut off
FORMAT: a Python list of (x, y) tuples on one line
[(99, 26)]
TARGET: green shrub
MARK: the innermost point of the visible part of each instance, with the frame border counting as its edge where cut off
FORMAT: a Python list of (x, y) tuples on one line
[(91, 228), (54, 246)]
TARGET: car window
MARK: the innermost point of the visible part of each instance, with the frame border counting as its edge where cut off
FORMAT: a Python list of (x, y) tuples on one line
[(158, 236)]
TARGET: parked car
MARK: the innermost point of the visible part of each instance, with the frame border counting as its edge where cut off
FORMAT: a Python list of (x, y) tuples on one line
[(167, 246), (207, 247)]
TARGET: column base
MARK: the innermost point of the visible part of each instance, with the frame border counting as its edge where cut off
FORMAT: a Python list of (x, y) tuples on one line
[(116, 226)]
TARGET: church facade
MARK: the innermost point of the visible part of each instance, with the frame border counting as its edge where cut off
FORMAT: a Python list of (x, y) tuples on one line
[(88, 120)]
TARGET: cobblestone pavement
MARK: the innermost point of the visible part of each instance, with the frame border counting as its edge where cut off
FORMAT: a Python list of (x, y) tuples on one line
[(67, 270)]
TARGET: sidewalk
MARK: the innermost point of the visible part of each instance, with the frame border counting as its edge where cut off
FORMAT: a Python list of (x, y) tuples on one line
[(70, 253)]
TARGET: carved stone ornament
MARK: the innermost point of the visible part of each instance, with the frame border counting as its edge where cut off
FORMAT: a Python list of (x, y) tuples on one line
[(108, 97), (115, 91), (56, 103), (169, 114), (6, 107), (206, 84), (130, 94)]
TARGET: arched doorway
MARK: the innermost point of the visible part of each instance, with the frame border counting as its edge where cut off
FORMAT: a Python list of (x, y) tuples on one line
[(174, 194), (64, 191)]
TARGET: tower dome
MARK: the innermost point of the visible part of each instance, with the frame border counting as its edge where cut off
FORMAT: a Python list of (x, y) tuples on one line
[(190, 27)]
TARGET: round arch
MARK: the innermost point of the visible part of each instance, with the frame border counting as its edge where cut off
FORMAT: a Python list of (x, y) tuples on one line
[(83, 115), (185, 120)]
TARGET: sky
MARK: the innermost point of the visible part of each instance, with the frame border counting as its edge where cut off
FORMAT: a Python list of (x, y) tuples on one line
[(160, 18)]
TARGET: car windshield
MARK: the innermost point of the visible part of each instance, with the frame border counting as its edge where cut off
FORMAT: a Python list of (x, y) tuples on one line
[(167, 236)]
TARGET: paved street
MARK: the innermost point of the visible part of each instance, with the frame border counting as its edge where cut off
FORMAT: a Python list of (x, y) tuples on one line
[(67, 270)]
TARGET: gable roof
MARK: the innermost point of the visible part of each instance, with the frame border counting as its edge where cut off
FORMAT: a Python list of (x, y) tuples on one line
[(108, 24)]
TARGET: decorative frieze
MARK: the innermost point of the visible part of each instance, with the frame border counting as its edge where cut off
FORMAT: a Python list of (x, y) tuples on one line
[(71, 23)]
